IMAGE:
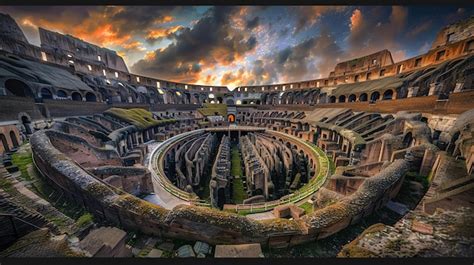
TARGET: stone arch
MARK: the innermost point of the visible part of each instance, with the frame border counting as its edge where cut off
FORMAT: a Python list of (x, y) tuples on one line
[(363, 97), (452, 143), (342, 98), (408, 139), (375, 96), (14, 139), (332, 99), (230, 101), (231, 118), (61, 94), (76, 96), (46, 93), (91, 97), (387, 95), (4, 142), (26, 121), (352, 98), (18, 88)]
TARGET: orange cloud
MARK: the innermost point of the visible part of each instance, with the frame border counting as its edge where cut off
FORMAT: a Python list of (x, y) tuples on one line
[(162, 32), (164, 19), (356, 20), (135, 45)]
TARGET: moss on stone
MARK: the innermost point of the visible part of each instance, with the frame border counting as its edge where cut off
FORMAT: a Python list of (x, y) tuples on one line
[(22, 161), (352, 250), (212, 109), (141, 118)]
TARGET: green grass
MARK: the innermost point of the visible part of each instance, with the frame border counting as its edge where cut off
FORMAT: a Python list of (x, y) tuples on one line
[(211, 109), (22, 160), (84, 220), (238, 192), (332, 166), (141, 118), (6, 185), (308, 207)]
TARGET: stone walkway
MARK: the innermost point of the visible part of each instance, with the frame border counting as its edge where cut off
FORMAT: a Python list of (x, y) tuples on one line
[(161, 197), (261, 216)]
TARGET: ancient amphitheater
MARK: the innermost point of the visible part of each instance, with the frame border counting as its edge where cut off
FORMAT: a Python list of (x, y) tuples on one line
[(278, 165)]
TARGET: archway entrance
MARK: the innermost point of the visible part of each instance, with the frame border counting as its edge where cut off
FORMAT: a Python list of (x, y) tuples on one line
[(13, 138), (18, 88), (26, 122), (4, 143), (231, 118)]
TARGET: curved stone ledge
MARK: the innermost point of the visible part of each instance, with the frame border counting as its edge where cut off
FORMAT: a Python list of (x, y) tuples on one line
[(213, 226)]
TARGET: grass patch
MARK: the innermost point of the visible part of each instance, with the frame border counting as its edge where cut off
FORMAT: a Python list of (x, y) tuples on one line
[(308, 207), (332, 166), (6, 185), (238, 191), (22, 160), (84, 220), (141, 118), (213, 110)]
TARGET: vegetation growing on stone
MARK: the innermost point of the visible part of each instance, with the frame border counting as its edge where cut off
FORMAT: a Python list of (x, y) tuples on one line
[(238, 192), (22, 160), (211, 109), (141, 118)]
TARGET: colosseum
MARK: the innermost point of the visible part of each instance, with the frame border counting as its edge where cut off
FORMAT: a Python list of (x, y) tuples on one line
[(374, 160)]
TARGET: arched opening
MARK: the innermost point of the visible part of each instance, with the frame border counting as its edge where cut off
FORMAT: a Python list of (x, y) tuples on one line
[(91, 97), (46, 93), (76, 96), (407, 140), (26, 122), (61, 94), (220, 198), (352, 98), (18, 88), (238, 102), (388, 95), (4, 143), (375, 96), (230, 101), (231, 118), (452, 143), (342, 98), (332, 99), (13, 138), (363, 97)]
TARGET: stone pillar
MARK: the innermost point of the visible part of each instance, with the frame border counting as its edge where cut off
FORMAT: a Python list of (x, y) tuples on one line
[(428, 160), (412, 91), (433, 89), (382, 150), (459, 86)]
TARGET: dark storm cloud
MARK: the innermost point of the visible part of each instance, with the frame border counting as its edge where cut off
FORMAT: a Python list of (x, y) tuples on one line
[(251, 24), (307, 16), (211, 41), (302, 61), (370, 34)]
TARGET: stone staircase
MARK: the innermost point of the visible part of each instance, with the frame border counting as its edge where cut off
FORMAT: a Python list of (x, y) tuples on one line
[(447, 183), (17, 221)]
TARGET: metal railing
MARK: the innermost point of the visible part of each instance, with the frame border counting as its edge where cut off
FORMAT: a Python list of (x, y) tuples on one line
[(304, 192)]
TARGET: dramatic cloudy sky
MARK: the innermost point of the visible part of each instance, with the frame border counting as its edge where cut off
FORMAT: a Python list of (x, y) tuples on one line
[(242, 45)]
